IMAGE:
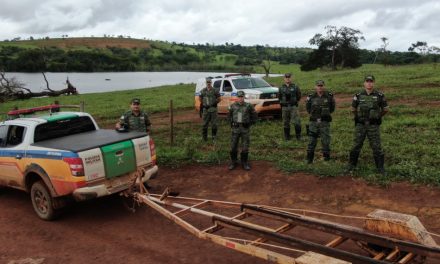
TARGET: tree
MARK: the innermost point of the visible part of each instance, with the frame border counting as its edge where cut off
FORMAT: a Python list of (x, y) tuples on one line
[(428, 53), (421, 46), (266, 64), (383, 50), (338, 40), (11, 89)]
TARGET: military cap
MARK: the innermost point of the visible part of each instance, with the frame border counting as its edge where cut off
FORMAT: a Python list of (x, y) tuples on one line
[(320, 82), (208, 79), (288, 75), (136, 101), (369, 78), (240, 94)]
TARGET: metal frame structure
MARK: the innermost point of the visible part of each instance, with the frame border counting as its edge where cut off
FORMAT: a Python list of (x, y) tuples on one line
[(251, 220)]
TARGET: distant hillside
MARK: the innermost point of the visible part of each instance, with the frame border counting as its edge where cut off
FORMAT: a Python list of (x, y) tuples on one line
[(80, 43), (126, 54)]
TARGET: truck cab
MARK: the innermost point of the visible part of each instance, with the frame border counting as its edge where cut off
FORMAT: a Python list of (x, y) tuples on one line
[(64, 156), (258, 92)]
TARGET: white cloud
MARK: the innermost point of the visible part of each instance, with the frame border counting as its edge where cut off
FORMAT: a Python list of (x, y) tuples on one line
[(276, 22)]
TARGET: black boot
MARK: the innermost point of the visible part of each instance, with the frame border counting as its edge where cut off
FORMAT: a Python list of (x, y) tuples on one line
[(205, 134), (352, 163), (379, 160), (244, 160), (233, 160), (298, 132), (326, 155), (310, 155), (214, 134), (287, 133)]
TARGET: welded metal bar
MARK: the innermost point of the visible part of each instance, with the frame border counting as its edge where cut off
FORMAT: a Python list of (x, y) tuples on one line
[(336, 242), (392, 254), (296, 242), (280, 229), (344, 230), (407, 258)]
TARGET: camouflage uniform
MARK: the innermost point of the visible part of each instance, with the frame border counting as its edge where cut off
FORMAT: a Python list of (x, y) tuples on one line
[(319, 108), (368, 111), (241, 116), (139, 123), (208, 103), (289, 99)]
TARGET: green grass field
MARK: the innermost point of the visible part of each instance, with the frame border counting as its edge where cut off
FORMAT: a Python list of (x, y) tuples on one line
[(409, 132)]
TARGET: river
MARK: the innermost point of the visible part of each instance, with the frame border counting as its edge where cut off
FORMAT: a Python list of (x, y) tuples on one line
[(98, 82)]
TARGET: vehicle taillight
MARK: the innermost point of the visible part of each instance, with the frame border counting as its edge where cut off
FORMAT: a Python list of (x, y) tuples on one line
[(76, 166), (152, 151)]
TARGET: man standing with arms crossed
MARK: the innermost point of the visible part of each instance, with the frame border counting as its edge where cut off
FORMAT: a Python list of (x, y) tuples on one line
[(289, 95), (368, 107)]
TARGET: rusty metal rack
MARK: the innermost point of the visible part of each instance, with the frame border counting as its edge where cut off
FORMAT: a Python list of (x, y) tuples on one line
[(250, 228)]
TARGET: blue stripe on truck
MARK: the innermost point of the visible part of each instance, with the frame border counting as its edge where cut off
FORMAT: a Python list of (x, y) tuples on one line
[(38, 154)]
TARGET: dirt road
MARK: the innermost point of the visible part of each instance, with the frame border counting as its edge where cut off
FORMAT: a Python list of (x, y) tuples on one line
[(104, 231)]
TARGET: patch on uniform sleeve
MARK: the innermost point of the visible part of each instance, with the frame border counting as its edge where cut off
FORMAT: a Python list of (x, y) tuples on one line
[(355, 98), (308, 98)]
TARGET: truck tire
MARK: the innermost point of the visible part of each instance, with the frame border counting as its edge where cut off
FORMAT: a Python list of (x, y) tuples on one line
[(42, 201)]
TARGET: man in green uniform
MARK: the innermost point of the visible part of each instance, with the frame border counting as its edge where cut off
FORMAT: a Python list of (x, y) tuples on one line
[(368, 106), (134, 119), (209, 98), (241, 115), (319, 105), (289, 96)]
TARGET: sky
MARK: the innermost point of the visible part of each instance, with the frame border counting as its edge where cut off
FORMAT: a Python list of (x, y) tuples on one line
[(277, 23)]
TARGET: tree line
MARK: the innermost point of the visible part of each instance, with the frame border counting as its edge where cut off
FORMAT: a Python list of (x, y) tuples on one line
[(336, 48)]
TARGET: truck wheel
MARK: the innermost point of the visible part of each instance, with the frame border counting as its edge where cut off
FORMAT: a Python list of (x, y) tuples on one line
[(42, 201)]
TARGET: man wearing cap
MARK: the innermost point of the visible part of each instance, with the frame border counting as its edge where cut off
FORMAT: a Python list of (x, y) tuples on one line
[(319, 105), (241, 115), (209, 98), (289, 96), (368, 107), (134, 119)]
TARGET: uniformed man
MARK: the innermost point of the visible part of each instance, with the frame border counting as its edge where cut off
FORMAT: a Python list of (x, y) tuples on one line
[(241, 115), (134, 119), (319, 105), (289, 96), (368, 106), (209, 98)]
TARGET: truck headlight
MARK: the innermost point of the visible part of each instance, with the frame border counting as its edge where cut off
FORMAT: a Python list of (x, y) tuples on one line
[(251, 96)]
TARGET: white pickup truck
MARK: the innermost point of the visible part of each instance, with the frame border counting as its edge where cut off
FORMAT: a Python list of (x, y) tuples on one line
[(64, 155)]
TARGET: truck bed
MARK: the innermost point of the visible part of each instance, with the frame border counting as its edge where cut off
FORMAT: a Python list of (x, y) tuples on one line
[(88, 140)]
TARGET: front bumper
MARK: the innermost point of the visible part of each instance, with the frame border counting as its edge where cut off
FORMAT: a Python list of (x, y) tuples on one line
[(115, 185), (268, 107)]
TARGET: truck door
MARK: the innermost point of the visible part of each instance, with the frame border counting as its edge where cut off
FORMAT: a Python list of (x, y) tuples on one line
[(12, 155), (226, 92)]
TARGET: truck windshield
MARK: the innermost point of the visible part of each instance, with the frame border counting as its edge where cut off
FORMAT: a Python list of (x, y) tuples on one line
[(62, 128), (250, 83)]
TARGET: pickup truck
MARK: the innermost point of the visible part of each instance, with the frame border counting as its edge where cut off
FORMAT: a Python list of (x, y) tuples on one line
[(257, 91), (64, 155)]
